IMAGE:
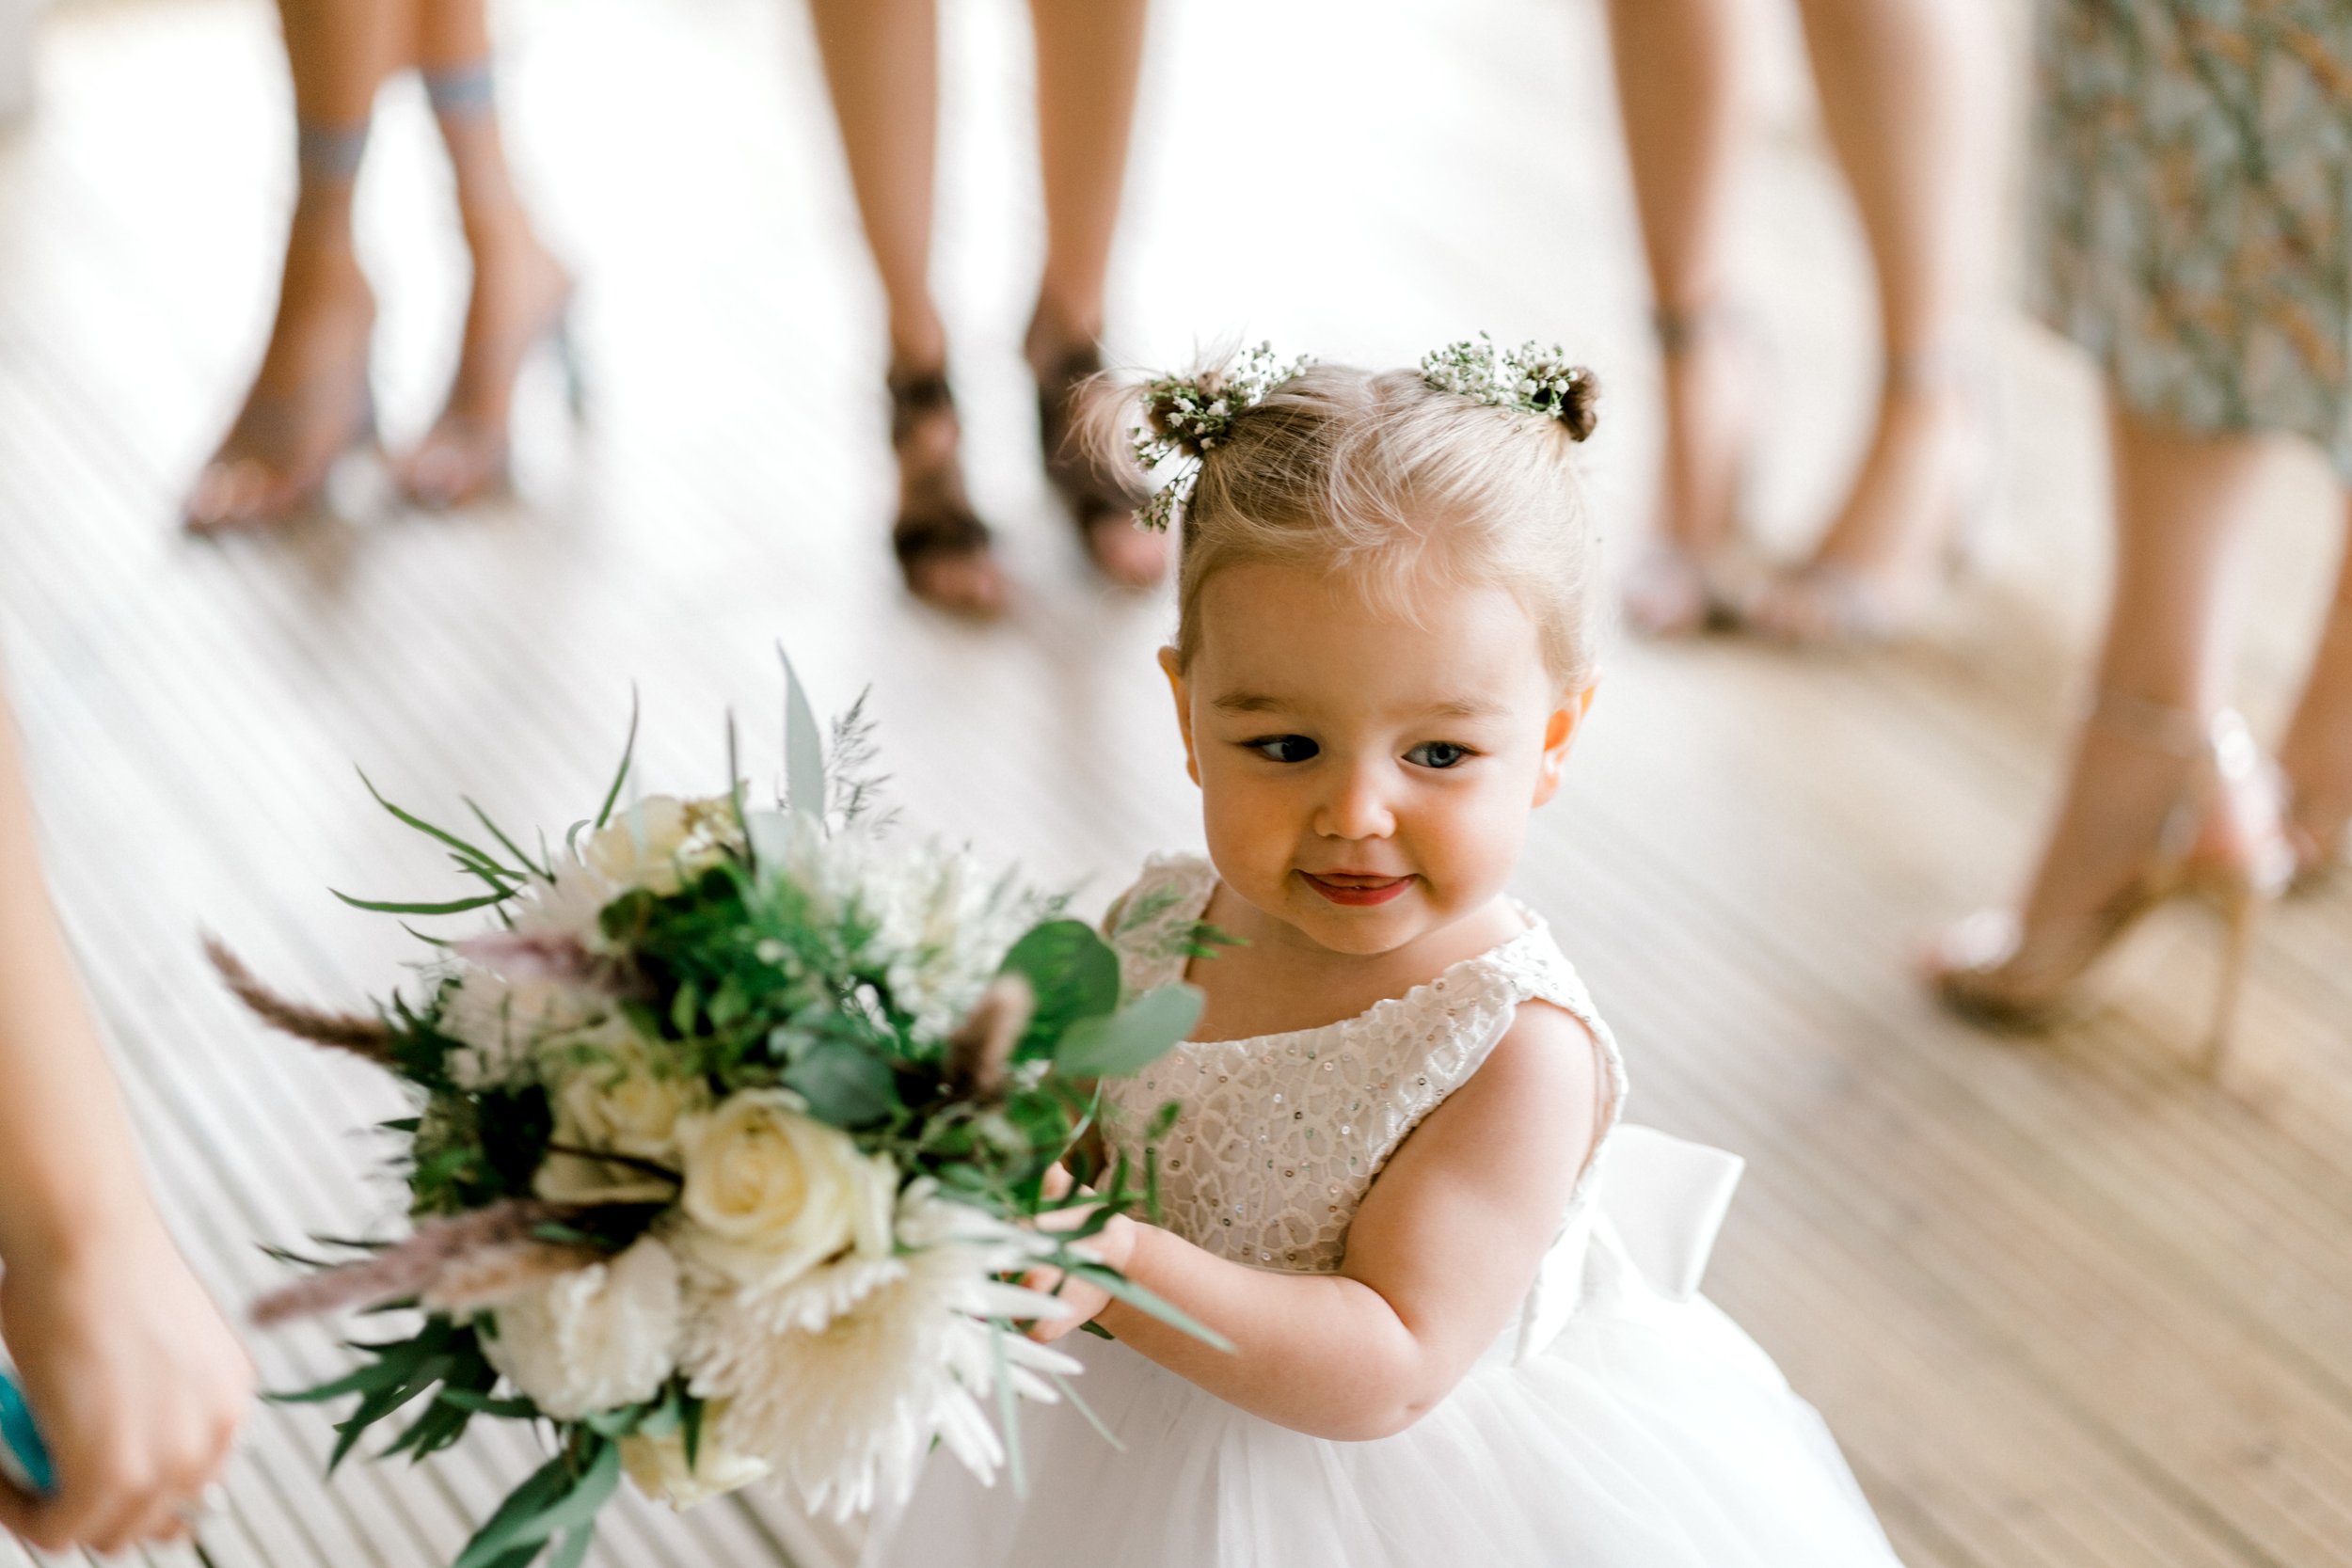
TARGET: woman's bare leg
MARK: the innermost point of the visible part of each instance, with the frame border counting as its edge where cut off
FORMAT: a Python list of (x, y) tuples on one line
[(309, 399), (1682, 86), (881, 63), (1909, 93), (2317, 755), (1090, 57), (519, 291), (2183, 503)]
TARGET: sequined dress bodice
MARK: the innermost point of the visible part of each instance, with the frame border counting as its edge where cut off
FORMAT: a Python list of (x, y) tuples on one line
[(1280, 1136)]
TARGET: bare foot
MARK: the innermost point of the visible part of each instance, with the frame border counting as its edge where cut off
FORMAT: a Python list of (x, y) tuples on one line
[(309, 400), (1889, 553), (520, 296)]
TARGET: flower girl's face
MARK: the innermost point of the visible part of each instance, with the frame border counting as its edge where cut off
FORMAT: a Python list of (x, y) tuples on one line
[(1367, 777)]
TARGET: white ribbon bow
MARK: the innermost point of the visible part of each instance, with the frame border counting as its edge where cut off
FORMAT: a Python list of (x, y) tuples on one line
[(1657, 1203)]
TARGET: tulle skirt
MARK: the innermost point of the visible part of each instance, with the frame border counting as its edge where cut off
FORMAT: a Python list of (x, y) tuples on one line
[(1651, 1434)]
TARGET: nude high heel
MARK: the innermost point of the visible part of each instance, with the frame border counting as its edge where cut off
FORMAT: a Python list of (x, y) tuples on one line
[(1993, 967), (273, 463)]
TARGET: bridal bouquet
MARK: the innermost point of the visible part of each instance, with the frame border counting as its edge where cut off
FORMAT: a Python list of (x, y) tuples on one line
[(733, 1137)]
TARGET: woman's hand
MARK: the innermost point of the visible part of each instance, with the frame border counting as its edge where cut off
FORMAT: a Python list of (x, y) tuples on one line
[(136, 1384), (1113, 1246)]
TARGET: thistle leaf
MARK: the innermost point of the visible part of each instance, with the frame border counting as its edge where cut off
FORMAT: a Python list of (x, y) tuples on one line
[(628, 755)]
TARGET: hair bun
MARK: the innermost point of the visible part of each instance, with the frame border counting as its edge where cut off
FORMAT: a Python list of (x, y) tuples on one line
[(1531, 378), (1566, 392), (1187, 415)]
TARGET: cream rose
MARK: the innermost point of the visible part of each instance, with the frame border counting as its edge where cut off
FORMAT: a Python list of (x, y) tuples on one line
[(616, 1100), (772, 1192), (595, 1338), (658, 1465)]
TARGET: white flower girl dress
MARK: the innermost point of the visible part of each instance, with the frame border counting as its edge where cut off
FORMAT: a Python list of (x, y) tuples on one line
[(1621, 1421)]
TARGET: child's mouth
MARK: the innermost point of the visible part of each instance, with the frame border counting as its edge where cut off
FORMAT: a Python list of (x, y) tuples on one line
[(1355, 889)]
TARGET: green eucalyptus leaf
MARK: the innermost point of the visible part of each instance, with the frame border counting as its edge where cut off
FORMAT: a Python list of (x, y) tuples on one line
[(1132, 1038), (803, 747), (845, 1083), (1073, 971), (574, 1550)]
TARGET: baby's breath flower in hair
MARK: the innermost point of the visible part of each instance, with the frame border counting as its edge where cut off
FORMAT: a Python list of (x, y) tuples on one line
[(1532, 379), (1187, 415)]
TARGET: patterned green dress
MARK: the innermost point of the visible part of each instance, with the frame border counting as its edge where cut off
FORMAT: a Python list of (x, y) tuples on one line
[(2193, 185)]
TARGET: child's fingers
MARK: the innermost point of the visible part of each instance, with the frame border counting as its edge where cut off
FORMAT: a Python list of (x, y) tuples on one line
[(1057, 1183)]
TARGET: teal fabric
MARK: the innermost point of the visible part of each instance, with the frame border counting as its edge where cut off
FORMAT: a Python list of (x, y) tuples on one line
[(2193, 196), (24, 1459)]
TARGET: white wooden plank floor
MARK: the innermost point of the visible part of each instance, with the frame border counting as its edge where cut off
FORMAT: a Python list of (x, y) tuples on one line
[(2067, 1305)]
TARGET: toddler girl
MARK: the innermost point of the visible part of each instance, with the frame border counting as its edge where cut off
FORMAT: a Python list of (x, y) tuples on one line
[(1460, 1297)]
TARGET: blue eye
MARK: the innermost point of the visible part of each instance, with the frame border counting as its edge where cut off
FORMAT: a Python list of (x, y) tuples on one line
[(1283, 748), (1436, 754)]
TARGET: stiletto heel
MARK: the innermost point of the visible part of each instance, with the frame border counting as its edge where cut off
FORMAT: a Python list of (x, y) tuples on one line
[(1994, 969), (2239, 907), (566, 346), (468, 453)]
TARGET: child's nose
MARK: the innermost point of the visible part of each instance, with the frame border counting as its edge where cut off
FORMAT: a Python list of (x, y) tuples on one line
[(1357, 807)]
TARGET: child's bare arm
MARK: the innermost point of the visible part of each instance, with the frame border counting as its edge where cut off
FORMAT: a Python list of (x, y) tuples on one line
[(129, 1369), (1438, 1257)]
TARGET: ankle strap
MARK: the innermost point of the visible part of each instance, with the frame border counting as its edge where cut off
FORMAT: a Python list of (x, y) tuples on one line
[(457, 91), (329, 154), (2180, 732), (1681, 326)]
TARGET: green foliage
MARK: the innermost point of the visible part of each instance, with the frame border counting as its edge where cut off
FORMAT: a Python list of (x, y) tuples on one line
[(1117, 1044), (1074, 973), (742, 979)]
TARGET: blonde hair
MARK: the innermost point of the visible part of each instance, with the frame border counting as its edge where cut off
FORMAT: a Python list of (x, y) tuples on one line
[(1384, 478)]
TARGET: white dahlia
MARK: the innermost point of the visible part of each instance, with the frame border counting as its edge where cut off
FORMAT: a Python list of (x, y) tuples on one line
[(502, 1022), (844, 1379), (594, 1339), (941, 921)]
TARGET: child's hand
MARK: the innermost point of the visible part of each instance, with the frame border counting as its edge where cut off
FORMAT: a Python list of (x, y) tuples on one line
[(1114, 1246), (138, 1384)]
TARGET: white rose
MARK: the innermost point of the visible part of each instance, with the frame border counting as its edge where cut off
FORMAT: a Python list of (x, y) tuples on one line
[(594, 1339), (658, 1465), (616, 1100), (772, 1192)]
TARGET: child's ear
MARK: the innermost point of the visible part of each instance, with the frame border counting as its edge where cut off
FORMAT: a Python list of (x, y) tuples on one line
[(1171, 667), (1559, 736)]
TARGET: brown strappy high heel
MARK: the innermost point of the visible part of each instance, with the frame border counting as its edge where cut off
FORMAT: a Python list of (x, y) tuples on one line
[(1995, 969), (942, 548), (1103, 495)]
